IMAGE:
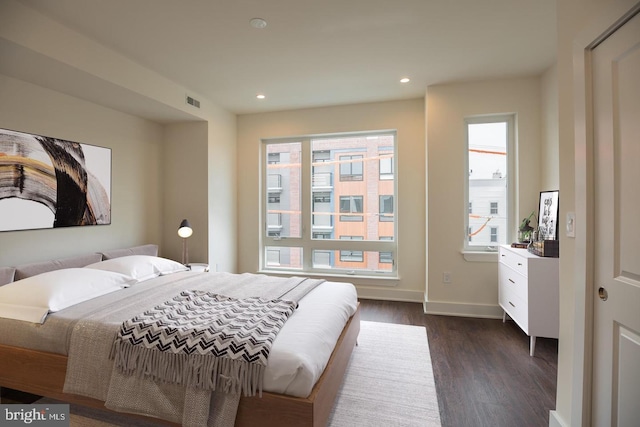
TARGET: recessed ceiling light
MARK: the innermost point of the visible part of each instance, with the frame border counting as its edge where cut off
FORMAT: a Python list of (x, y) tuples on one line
[(258, 23), (260, 96), (405, 80)]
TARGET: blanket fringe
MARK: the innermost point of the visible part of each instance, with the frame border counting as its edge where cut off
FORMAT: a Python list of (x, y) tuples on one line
[(194, 370)]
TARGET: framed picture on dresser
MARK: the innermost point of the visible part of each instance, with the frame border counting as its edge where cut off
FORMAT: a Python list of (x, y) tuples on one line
[(548, 215)]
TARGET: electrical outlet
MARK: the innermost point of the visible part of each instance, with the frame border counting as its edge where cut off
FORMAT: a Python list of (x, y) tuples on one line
[(446, 277)]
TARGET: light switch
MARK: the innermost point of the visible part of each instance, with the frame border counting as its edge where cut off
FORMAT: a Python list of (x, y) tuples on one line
[(571, 224)]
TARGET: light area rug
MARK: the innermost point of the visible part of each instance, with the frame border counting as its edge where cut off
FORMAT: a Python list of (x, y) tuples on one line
[(389, 383)]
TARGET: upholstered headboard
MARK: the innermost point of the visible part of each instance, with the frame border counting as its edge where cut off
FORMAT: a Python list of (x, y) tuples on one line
[(10, 274), (28, 270), (6, 275), (136, 250)]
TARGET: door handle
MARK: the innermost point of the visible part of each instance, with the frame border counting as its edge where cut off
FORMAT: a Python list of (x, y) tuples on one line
[(602, 293)]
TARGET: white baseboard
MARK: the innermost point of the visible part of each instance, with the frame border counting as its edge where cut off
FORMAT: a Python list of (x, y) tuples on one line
[(555, 420), (488, 311)]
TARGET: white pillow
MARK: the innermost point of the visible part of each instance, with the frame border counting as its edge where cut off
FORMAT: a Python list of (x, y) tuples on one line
[(139, 267), (31, 299)]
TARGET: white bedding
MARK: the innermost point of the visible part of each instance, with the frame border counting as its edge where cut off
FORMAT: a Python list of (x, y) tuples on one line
[(298, 356), (302, 348)]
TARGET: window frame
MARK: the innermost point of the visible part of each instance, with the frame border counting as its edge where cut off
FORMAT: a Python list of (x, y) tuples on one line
[(491, 208), (306, 243), (352, 162), (511, 179)]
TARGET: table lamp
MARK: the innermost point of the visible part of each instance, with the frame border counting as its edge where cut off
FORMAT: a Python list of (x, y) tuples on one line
[(185, 231)]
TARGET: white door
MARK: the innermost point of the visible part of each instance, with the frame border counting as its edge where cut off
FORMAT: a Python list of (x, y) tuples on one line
[(616, 115)]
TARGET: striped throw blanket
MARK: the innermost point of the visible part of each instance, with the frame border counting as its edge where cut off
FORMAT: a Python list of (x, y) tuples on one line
[(204, 340)]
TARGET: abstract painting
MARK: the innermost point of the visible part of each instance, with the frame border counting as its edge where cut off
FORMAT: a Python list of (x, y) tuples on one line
[(49, 183)]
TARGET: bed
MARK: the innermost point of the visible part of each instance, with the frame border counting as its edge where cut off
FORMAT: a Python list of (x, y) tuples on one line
[(34, 363)]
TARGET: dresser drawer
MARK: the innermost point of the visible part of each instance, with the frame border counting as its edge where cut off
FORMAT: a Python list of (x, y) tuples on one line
[(517, 309), (512, 282), (512, 259)]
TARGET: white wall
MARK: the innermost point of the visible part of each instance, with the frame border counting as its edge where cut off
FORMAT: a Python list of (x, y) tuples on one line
[(405, 116), (199, 183), (549, 155), (185, 186), (474, 287), (107, 94), (136, 150), (223, 251)]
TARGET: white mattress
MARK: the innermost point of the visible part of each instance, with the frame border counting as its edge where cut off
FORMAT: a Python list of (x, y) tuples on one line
[(302, 349)]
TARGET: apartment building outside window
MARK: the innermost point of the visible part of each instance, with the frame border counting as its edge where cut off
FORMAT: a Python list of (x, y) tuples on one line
[(490, 181), (331, 200)]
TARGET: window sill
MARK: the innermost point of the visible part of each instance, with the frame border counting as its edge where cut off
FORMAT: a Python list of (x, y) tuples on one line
[(350, 278), (480, 256)]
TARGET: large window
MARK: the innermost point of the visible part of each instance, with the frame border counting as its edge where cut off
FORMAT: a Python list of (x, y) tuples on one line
[(329, 205), (490, 142)]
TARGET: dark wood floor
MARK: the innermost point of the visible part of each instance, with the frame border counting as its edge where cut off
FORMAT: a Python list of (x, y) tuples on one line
[(482, 368)]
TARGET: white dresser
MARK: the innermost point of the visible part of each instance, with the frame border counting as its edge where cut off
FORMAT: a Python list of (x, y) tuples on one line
[(528, 292)]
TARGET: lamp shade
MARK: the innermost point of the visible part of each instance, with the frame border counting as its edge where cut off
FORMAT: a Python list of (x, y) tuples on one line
[(185, 230)]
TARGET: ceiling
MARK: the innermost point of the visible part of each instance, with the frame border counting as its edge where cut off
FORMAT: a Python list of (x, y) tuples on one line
[(318, 53)]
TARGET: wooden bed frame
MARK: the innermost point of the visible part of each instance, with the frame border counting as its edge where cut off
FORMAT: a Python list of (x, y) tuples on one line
[(43, 374)]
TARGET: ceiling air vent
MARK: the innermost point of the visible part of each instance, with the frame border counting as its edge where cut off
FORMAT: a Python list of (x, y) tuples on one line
[(193, 101)]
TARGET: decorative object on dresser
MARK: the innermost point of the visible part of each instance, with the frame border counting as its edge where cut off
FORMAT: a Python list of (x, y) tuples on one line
[(548, 215), (528, 287), (525, 229), (546, 248)]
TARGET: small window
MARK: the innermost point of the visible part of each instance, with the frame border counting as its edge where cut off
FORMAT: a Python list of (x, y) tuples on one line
[(274, 158), (321, 156), (321, 197), (351, 204), (490, 184), (351, 168), (494, 234), (386, 208), (494, 208), (386, 166)]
